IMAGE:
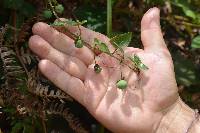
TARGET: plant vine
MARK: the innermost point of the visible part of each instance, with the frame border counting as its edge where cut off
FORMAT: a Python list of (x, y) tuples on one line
[(118, 42)]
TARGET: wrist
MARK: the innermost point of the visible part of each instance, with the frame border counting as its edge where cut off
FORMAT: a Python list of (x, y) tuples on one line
[(176, 119), (195, 128)]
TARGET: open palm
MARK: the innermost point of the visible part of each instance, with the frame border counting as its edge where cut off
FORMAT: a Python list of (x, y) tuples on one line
[(139, 108)]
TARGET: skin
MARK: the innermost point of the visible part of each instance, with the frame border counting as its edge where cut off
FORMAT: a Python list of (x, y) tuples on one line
[(148, 96)]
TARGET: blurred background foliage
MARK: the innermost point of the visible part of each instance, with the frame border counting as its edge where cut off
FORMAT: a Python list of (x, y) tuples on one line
[(180, 21)]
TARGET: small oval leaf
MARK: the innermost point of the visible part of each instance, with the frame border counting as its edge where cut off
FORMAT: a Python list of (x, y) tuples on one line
[(138, 63), (68, 22), (122, 40), (196, 42), (101, 46), (143, 66)]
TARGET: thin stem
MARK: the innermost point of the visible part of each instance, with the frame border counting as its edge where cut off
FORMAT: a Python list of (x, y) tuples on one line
[(182, 20), (74, 36), (43, 124), (101, 129), (15, 43), (79, 30), (190, 24), (51, 6), (109, 17), (46, 3)]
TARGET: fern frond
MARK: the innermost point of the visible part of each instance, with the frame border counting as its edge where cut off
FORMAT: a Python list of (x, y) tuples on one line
[(39, 89), (11, 67), (13, 72), (26, 30), (62, 110), (27, 56)]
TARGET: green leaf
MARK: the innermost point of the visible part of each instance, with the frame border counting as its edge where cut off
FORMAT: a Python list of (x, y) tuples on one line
[(122, 40), (137, 62), (9, 110), (17, 127), (95, 16), (78, 42), (186, 8), (28, 129), (75, 23), (101, 46), (185, 70), (142, 66), (47, 14), (13, 4), (26, 8), (196, 42), (68, 22), (59, 8), (189, 13), (81, 22), (136, 59), (59, 23)]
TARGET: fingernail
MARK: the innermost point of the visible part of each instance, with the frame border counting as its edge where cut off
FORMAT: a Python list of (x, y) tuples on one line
[(154, 17)]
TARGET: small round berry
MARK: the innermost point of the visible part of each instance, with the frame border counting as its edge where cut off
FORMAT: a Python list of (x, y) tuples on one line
[(122, 84), (47, 14), (78, 43), (59, 8), (97, 68)]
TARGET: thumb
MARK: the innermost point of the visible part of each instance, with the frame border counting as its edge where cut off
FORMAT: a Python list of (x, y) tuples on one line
[(151, 34)]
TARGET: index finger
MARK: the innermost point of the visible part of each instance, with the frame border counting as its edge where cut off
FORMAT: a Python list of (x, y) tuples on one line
[(88, 35)]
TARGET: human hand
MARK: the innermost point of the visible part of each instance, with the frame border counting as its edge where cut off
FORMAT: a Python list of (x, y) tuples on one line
[(140, 107)]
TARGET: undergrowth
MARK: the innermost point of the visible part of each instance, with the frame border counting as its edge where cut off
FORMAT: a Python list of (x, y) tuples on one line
[(29, 101)]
